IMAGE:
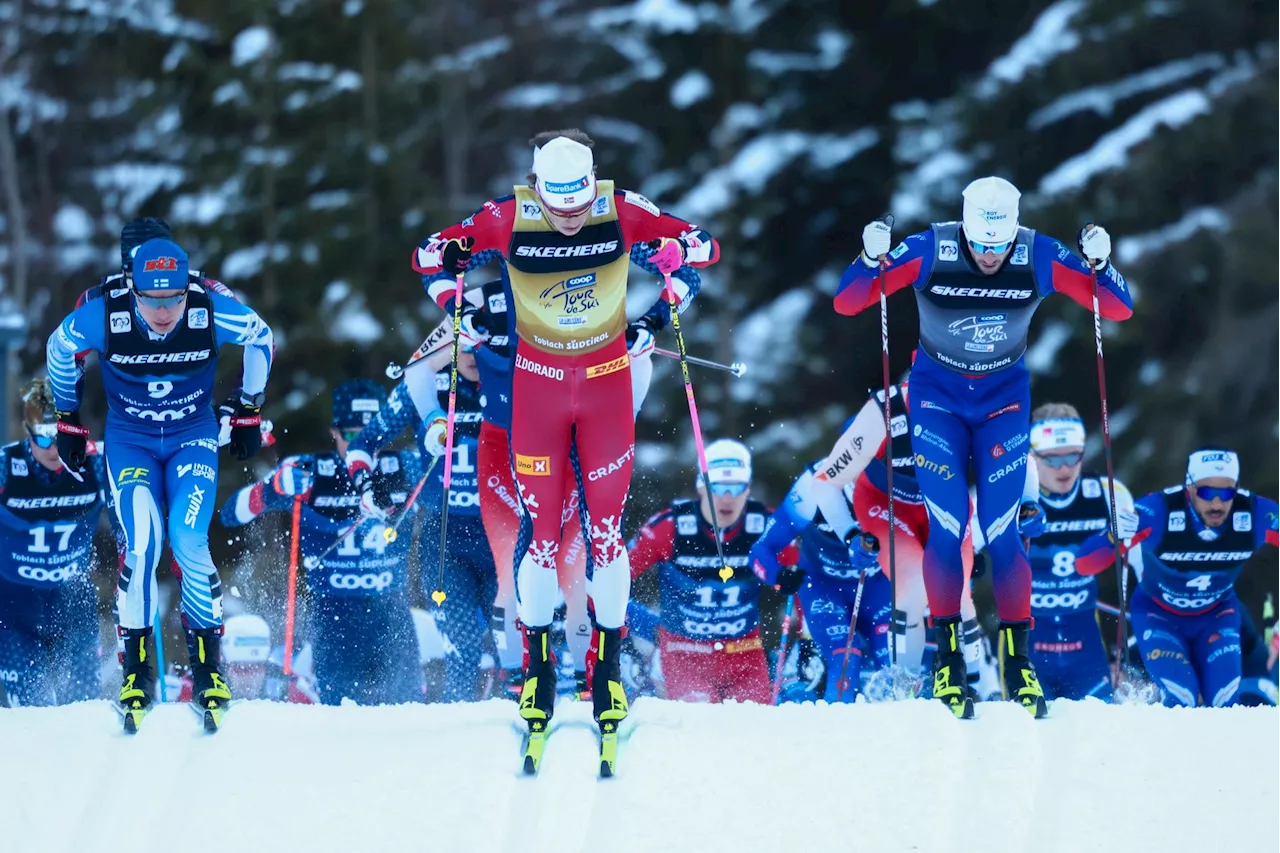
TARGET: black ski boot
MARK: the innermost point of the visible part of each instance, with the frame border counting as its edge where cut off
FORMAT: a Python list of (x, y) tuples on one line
[(137, 692), (608, 696), (538, 693), (950, 676), (210, 694), (1016, 670)]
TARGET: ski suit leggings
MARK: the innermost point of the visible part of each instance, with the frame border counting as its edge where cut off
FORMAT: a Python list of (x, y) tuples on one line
[(699, 671), (500, 509), (911, 523), (984, 420), (828, 605), (365, 649), (470, 586), (49, 647), (1070, 659), (1194, 659), (563, 404), (166, 476)]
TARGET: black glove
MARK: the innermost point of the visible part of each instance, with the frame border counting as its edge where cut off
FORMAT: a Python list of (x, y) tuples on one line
[(246, 429), (790, 579), (73, 440), (456, 256)]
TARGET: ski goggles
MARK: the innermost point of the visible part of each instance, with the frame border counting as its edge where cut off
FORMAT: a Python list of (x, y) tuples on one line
[(43, 435), (160, 301), (1208, 493), (992, 248), (349, 435), (726, 490), (1061, 460)]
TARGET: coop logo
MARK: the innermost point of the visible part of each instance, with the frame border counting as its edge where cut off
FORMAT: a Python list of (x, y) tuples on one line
[(585, 250), (370, 581), (1055, 600), (41, 575), (983, 332), (161, 415), (575, 295)]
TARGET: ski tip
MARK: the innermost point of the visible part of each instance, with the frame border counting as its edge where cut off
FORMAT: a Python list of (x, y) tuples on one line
[(131, 723), (606, 770), (530, 766)]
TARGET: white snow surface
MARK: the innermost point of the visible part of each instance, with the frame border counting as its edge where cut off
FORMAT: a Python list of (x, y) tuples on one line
[(885, 777)]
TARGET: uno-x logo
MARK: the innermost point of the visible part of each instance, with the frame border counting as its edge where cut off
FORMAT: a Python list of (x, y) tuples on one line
[(533, 466), (160, 264), (133, 475)]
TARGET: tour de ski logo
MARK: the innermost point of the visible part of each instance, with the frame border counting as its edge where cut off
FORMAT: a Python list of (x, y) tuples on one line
[(984, 331), (572, 296)]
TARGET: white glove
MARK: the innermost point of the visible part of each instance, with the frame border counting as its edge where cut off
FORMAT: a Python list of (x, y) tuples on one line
[(362, 479), (469, 337), (644, 341), (1095, 244), (876, 240), (1127, 523), (433, 441)]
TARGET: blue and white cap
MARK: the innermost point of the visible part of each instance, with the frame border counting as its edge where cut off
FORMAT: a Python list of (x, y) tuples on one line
[(728, 461), (160, 264), (991, 211), (566, 174), (357, 402), (245, 639), (1212, 462)]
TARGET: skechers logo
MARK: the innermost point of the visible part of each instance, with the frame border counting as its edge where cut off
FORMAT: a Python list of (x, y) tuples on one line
[(569, 251), (161, 357), (980, 292), (51, 503)]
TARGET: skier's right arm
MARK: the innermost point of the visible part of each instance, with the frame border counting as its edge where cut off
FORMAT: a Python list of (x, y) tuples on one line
[(82, 330), (907, 265), (473, 242), (787, 522), (653, 544), (855, 448), (399, 414), (274, 493)]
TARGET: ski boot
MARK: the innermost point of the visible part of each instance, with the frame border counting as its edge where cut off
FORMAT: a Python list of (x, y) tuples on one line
[(950, 676), (210, 696), (1016, 670), (608, 696), (582, 687), (538, 694), (139, 687)]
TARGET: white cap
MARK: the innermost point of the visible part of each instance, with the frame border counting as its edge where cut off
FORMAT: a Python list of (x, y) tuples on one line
[(991, 211), (1056, 433), (566, 174), (430, 642), (245, 639), (1204, 464), (728, 461)]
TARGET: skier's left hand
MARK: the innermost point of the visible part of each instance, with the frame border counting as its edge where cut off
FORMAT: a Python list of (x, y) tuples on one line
[(668, 254), (790, 579), (864, 552), (640, 339), (1095, 245), (1031, 519), (1127, 523), (437, 432), (246, 429)]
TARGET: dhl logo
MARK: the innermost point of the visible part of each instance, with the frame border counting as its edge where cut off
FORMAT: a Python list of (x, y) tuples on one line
[(608, 367)]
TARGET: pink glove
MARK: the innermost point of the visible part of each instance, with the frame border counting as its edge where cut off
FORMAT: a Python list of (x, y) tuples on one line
[(669, 257)]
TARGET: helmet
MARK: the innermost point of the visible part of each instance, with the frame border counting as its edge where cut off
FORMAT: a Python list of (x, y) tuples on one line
[(160, 264), (38, 406), (138, 231), (991, 211), (356, 402), (566, 174), (728, 461), (246, 639)]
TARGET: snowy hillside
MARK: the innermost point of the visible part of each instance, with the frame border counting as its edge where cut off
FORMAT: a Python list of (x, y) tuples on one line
[(697, 778)]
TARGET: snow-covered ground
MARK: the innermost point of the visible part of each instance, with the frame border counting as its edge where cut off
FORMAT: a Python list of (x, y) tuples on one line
[(880, 778)]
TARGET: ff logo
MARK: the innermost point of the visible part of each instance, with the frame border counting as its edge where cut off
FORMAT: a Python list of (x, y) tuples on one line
[(132, 475), (533, 466), (608, 367), (160, 264)]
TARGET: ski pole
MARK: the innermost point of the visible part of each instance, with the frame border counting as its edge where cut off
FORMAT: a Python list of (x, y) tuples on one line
[(737, 368), (725, 571), (158, 621), (1122, 564), (888, 449), (291, 595), (313, 562), (393, 532), (438, 595), (784, 648), (426, 348), (842, 684)]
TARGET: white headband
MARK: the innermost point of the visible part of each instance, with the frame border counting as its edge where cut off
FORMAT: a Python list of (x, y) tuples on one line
[(1204, 464), (1055, 433)]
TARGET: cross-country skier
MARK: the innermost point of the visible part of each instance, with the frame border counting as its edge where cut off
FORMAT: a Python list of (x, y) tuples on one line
[(977, 284), (158, 340), (1194, 540), (709, 635), (48, 604), (566, 238), (470, 581), (826, 578), (362, 634), (855, 466), (1066, 645)]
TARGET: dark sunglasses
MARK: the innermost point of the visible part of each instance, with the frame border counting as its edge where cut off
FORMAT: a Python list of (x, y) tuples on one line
[(984, 248), (160, 301), (44, 435), (1062, 460), (1208, 493), (721, 490)]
